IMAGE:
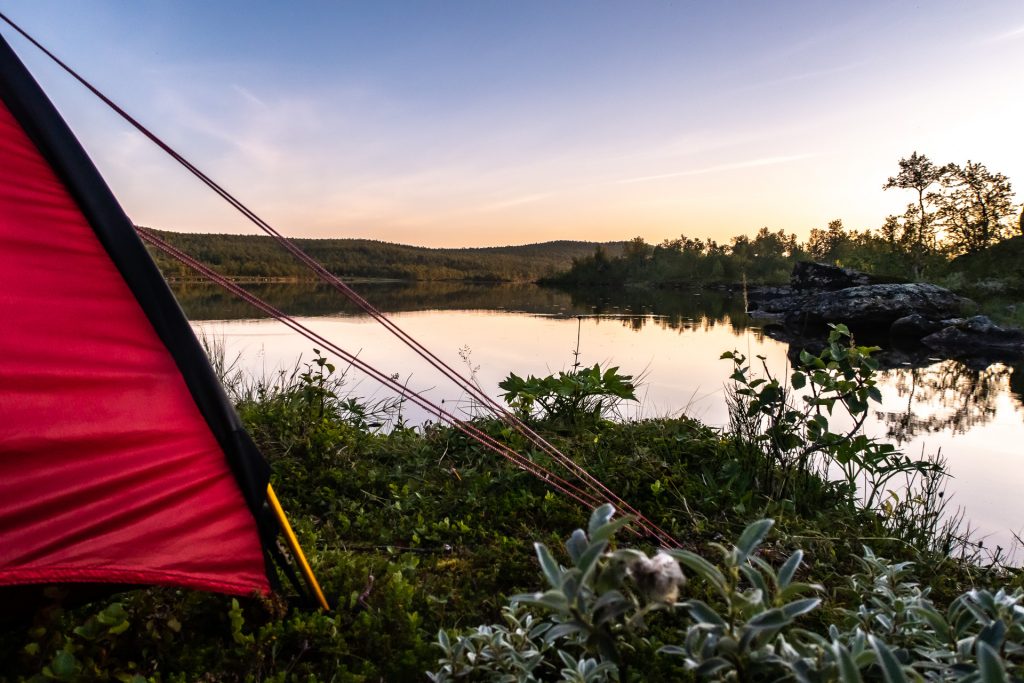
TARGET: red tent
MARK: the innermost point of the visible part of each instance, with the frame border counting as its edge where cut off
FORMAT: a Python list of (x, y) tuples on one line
[(121, 460)]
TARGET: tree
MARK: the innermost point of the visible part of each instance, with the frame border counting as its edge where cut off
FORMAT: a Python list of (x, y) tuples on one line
[(918, 173), (637, 250), (974, 207), (826, 245), (900, 237)]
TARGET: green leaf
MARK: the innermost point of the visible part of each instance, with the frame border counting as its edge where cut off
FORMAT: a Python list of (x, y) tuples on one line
[(798, 607), (989, 666), (64, 665), (576, 545), (606, 531), (562, 630), (891, 669), (789, 567), (552, 572), (769, 619), (552, 600), (703, 613), (753, 535), (848, 671), (798, 380), (599, 517), (755, 578), (120, 628), (711, 666), (702, 568), (588, 559)]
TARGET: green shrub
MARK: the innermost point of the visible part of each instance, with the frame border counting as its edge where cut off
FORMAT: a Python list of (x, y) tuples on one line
[(797, 438), (580, 398)]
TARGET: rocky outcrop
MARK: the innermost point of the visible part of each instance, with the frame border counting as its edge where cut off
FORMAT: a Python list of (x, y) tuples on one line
[(923, 315), (976, 335), (865, 306), (821, 277)]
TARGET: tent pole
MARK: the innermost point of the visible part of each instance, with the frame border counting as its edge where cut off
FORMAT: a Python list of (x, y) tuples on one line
[(293, 543)]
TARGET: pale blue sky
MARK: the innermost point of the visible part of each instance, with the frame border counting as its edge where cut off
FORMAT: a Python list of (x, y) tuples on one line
[(481, 123)]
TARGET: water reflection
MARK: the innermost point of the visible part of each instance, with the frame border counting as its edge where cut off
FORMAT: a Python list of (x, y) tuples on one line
[(209, 302), (949, 395), (634, 308), (671, 309)]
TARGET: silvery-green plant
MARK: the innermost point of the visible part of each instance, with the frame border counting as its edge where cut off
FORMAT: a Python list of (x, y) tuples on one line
[(589, 607), (755, 605), (747, 627), (602, 595), (979, 636), (514, 651)]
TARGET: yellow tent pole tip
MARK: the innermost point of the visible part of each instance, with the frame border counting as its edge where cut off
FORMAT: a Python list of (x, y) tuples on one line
[(296, 549)]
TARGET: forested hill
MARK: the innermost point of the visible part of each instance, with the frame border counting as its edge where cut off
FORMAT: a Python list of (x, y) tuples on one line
[(259, 256)]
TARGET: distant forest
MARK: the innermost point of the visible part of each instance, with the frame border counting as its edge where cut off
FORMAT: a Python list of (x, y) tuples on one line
[(257, 256), (962, 228)]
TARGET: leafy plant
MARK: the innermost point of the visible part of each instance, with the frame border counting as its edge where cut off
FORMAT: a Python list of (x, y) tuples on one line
[(579, 398), (757, 605), (797, 435)]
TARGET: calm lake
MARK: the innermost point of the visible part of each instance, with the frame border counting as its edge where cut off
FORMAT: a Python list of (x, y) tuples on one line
[(670, 340)]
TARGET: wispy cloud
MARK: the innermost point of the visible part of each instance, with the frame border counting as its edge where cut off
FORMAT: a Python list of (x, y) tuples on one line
[(750, 163), (1008, 35), (249, 97), (802, 76), (515, 201)]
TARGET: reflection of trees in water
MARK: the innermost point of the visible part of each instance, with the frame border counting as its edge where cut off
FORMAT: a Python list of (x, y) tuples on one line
[(673, 309), (209, 302), (961, 396), (681, 310)]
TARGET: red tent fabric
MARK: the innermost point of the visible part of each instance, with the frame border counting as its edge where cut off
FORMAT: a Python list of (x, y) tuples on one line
[(120, 460)]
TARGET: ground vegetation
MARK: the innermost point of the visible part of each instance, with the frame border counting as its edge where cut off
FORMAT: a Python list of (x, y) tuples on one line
[(416, 531)]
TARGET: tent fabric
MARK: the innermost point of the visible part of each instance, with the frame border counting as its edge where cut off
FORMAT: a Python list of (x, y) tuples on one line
[(121, 461)]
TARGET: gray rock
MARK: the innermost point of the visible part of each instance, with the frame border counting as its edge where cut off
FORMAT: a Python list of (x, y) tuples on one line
[(764, 293), (914, 326), (974, 336), (808, 275), (871, 306)]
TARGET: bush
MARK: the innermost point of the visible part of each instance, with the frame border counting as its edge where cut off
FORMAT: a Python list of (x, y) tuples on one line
[(595, 608), (796, 437), (580, 398)]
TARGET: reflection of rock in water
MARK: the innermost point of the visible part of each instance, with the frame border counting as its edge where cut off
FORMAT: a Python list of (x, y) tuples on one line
[(962, 397), (960, 394)]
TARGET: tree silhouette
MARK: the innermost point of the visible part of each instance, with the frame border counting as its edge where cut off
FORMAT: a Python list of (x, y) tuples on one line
[(918, 173), (974, 207)]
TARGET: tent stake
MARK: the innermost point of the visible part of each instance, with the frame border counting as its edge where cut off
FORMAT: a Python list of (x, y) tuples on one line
[(293, 543)]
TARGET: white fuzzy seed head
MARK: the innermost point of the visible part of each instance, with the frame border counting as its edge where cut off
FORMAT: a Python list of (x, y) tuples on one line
[(658, 577)]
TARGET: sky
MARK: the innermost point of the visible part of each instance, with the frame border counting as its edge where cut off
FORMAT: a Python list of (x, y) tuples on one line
[(488, 123)]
